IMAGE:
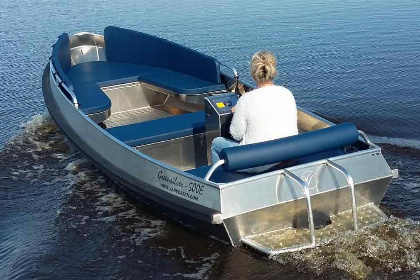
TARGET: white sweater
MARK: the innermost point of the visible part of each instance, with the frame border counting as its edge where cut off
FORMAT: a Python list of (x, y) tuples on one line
[(264, 114)]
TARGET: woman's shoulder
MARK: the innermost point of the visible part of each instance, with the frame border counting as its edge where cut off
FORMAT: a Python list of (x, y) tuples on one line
[(272, 92)]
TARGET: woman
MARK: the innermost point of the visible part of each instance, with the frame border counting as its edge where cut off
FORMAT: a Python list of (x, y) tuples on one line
[(266, 113)]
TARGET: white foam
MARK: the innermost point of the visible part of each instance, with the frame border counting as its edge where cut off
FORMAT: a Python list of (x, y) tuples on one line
[(400, 142), (202, 271), (36, 122), (74, 164)]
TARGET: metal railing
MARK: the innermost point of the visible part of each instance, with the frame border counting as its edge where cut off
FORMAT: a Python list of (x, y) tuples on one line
[(352, 190), (307, 194), (365, 137), (213, 168), (312, 242), (235, 76), (59, 82)]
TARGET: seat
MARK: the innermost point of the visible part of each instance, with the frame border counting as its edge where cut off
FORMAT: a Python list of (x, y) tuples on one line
[(187, 71), (180, 83), (293, 150), (102, 71), (134, 56), (160, 130), (221, 176), (88, 77)]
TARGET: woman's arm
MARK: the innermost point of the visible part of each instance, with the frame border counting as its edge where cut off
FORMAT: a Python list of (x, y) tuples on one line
[(238, 125)]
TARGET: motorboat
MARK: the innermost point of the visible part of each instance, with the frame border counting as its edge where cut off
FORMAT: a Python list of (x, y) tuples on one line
[(145, 110)]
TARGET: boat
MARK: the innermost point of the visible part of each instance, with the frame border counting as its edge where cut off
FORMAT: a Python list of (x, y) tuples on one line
[(145, 110)]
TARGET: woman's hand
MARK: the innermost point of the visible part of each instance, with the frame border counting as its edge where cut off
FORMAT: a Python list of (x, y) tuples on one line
[(233, 109)]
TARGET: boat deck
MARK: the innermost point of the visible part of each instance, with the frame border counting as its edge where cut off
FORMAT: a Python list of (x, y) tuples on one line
[(141, 115)]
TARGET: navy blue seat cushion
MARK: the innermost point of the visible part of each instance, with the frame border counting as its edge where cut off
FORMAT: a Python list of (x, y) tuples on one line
[(61, 58), (91, 98), (160, 130), (259, 154), (180, 83), (101, 71)]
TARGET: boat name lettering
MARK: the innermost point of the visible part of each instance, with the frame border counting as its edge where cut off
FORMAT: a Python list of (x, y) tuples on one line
[(192, 187), (173, 181), (197, 188)]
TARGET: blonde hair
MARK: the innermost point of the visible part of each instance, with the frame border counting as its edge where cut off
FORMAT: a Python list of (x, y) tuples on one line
[(263, 66)]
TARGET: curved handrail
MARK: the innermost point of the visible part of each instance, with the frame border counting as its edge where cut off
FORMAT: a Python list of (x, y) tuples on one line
[(213, 168), (59, 81), (305, 187), (235, 73), (365, 137), (351, 184)]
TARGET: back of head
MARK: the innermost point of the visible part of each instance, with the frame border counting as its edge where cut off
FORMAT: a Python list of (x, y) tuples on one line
[(263, 66)]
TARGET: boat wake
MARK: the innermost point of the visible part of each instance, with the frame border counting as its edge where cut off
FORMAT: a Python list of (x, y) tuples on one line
[(392, 247), (58, 210), (400, 142)]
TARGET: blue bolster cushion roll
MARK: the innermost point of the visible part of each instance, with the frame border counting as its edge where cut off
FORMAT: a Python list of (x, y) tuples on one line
[(275, 151)]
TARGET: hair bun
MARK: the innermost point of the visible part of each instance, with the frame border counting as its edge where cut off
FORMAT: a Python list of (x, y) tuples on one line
[(263, 66)]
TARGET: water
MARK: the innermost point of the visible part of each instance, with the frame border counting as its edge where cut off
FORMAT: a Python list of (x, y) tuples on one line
[(61, 218)]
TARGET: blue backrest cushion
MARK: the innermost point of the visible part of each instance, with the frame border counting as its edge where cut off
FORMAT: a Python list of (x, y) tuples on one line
[(193, 63), (275, 151), (128, 46), (61, 57)]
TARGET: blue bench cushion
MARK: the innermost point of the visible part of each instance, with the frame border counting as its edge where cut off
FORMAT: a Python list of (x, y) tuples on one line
[(91, 98), (274, 151), (160, 130), (103, 71), (180, 83)]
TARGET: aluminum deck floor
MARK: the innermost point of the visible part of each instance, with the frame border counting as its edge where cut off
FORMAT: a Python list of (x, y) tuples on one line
[(141, 115)]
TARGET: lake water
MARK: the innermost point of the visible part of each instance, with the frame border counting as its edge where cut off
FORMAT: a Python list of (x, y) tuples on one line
[(61, 218)]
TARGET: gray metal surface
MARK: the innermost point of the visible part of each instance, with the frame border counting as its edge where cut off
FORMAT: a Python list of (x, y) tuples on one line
[(86, 47), (182, 153), (350, 182), (137, 116), (101, 116), (289, 213), (138, 102), (130, 96)]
